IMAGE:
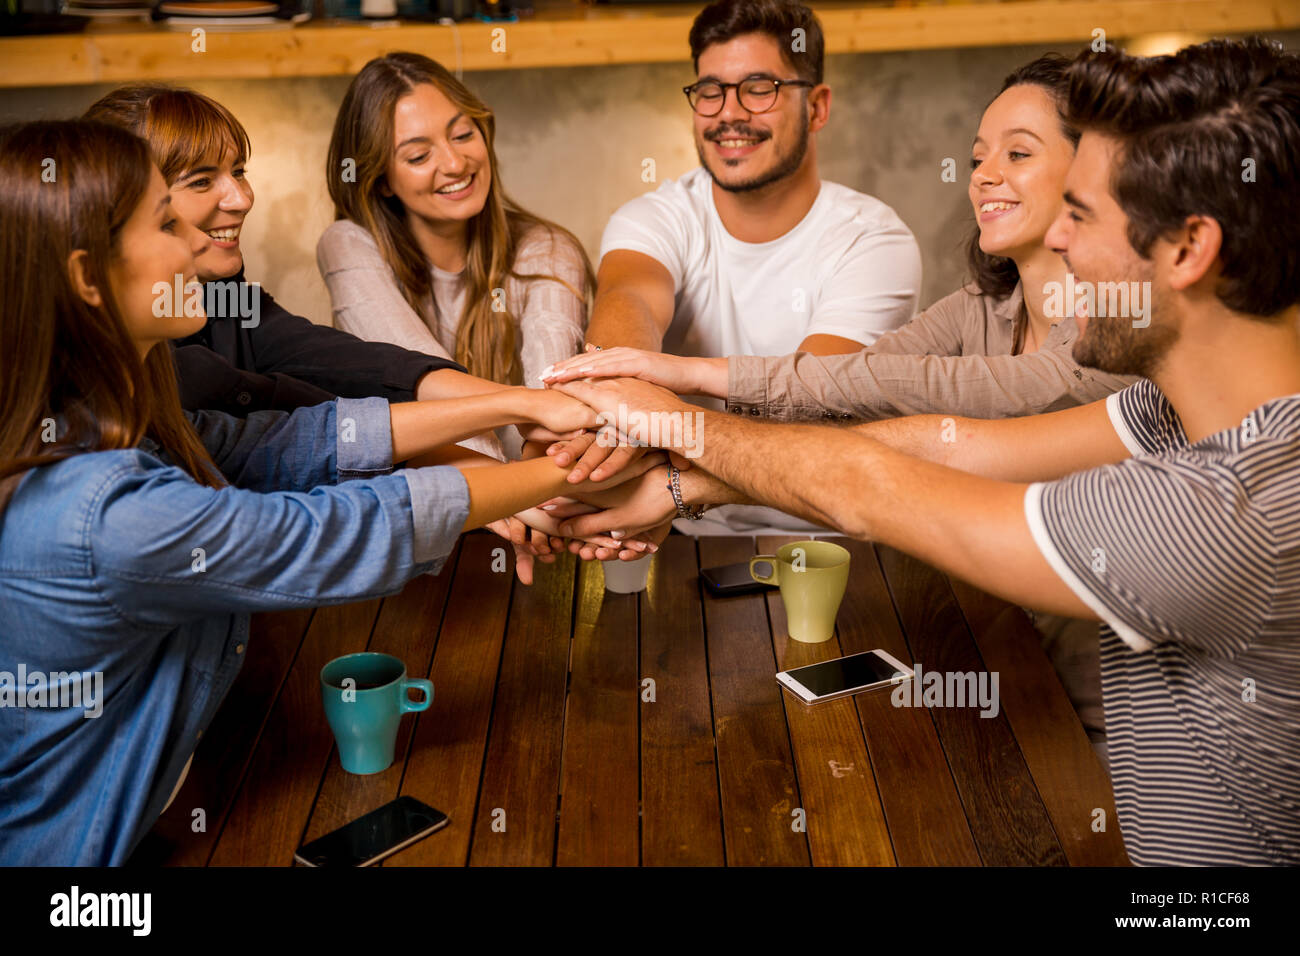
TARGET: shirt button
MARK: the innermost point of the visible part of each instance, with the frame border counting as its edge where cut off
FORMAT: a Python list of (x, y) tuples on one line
[(239, 648), (829, 415), (753, 411), (243, 398), (736, 409), (845, 415)]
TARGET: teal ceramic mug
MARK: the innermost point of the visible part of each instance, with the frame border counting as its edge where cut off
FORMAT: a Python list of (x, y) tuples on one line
[(365, 697)]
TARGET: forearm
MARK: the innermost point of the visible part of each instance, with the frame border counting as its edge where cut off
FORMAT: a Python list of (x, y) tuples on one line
[(420, 427), (709, 376), (965, 525), (841, 479), (508, 489), (1030, 448), (623, 318), (455, 455), (837, 477), (800, 469), (449, 383), (699, 487)]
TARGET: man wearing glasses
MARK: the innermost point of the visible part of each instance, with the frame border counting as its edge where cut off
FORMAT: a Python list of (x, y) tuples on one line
[(752, 253)]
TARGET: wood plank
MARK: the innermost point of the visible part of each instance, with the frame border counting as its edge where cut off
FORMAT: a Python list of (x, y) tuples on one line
[(1010, 825), (681, 814), (225, 748), (133, 52), (271, 810), (572, 35), (755, 766), (1070, 778), (407, 628), (845, 821), (445, 764), (927, 822), (600, 772), (522, 773)]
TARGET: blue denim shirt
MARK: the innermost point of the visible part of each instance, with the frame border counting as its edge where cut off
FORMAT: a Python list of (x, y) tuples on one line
[(117, 564)]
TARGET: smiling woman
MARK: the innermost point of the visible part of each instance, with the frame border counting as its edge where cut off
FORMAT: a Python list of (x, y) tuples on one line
[(429, 252), (258, 355), (135, 541)]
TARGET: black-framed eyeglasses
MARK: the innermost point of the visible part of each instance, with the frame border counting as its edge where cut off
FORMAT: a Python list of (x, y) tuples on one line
[(756, 94)]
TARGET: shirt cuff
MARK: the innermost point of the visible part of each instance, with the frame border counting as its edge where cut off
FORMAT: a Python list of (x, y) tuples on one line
[(1042, 538), (364, 438), (1121, 427), (746, 384), (439, 507)]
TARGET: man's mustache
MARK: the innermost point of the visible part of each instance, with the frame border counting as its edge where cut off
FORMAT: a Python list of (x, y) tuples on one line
[(724, 132)]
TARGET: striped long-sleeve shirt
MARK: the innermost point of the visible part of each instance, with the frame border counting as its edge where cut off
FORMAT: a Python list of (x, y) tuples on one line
[(1190, 555)]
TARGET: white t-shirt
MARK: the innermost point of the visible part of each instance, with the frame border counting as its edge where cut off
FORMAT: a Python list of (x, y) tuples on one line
[(851, 268)]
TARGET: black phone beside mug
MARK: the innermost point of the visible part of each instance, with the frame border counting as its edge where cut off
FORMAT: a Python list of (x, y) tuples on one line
[(370, 838), (731, 579)]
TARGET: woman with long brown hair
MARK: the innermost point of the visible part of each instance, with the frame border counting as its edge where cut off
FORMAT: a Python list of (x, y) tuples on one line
[(428, 250), (135, 541)]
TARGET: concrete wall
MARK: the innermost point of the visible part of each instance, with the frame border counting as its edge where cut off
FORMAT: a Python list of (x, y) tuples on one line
[(571, 144)]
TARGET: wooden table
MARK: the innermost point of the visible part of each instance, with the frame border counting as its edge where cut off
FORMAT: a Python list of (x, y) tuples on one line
[(542, 721)]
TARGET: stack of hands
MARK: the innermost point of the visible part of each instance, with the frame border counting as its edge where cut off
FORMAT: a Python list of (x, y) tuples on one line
[(632, 511)]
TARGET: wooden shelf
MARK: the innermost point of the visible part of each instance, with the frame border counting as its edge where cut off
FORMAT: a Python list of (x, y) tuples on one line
[(595, 36)]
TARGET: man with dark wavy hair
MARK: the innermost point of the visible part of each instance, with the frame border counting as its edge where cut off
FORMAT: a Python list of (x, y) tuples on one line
[(1169, 511)]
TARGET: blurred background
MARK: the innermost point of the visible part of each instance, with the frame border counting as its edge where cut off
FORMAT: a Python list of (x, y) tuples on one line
[(572, 140)]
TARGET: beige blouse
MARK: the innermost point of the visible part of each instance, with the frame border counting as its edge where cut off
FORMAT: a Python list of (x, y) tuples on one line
[(955, 357), (367, 302)]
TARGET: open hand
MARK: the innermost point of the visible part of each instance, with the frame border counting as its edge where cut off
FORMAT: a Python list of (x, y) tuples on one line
[(677, 373)]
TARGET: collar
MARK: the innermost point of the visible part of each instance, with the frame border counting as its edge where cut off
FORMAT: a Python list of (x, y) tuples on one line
[(1010, 308)]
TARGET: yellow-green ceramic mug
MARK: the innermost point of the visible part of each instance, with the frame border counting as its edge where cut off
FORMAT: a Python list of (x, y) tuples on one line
[(812, 576)]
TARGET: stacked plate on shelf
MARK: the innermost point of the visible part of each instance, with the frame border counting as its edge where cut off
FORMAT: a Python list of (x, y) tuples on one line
[(227, 14), (110, 9)]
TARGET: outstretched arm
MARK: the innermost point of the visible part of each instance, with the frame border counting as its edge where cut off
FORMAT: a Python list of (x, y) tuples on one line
[(965, 524)]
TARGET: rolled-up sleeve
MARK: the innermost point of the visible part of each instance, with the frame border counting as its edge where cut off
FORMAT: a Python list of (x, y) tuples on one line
[(439, 507), (166, 550), (315, 445), (869, 385)]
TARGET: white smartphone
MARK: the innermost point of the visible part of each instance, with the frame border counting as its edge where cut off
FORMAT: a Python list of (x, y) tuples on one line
[(844, 676)]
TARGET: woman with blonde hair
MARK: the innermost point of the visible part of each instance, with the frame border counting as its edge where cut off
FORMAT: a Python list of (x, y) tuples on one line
[(429, 251)]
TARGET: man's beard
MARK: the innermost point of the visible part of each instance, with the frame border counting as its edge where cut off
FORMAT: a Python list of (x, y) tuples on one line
[(784, 166), (1111, 343)]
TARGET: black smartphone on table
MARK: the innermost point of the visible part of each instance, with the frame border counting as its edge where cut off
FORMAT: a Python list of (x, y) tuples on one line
[(731, 579), (378, 834)]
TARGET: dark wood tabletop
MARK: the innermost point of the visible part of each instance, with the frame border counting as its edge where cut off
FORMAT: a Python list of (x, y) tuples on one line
[(541, 724)]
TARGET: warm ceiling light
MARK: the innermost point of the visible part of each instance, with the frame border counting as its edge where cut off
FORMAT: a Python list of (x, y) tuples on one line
[(1160, 44)]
